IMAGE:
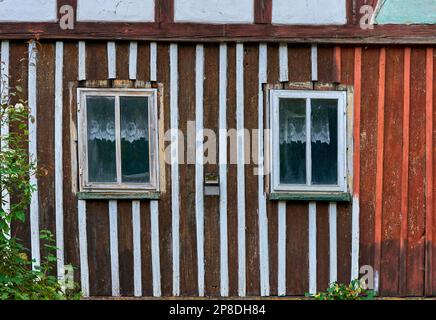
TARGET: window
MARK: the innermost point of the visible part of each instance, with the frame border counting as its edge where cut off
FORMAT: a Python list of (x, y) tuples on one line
[(308, 165), (118, 140)]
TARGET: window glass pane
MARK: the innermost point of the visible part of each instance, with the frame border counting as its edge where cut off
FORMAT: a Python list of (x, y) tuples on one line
[(292, 135), (135, 166), (324, 141), (101, 139)]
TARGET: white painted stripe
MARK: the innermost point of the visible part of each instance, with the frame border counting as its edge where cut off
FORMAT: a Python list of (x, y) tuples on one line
[(111, 60), (355, 235), (33, 154), (153, 61), (283, 61), (175, 206), (263, 219), (137, 270), (155, 253), (59, 177), (281, 278), (133, 60), (83, 247), (82, 61), (240, 168), (4, 97), (113, 233), (199, 169), (314, 62), (333, 242), (312, 247), (224, 263)]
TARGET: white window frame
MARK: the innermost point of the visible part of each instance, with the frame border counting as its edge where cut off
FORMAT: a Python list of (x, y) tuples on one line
[(276, 186), (119, 187)]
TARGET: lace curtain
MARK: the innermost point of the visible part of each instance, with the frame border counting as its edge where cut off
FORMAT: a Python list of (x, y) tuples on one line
[(132, 131)]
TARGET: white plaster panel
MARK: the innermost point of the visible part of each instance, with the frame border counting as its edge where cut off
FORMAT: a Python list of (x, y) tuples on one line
[(214, 11), (28, 10), (309, 12), (115, 10)]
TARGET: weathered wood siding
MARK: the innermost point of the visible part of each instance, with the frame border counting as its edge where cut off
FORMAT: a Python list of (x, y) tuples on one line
[(303, 245)]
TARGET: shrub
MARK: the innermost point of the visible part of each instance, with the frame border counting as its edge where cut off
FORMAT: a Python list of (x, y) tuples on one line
[(336, 291)]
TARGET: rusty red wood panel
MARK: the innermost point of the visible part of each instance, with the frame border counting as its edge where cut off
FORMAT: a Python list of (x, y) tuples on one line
[(433, 270), (344, 242), (299, 63), (251, 72), (69, 199), (146, 255), (272, 207), (122, 60), (211, 203), (322, 246), (391, 203), (416, 216), (262, 11), (45, 138), (326, 64), (18, 74), (99, 259), (188, 238), (125, 247), (143, 61), (164, 11), (297, 248), (165, 220), (232, 212), (368, 124), (96, 60)]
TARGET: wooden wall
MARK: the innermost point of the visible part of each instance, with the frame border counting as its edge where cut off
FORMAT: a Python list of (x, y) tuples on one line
[(240, 243)]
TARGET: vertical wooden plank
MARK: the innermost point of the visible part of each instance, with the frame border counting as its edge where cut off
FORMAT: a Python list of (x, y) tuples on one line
[(164, 11), (232, 212), (45, 96), (224, 248), (337, 67), (240, 150), (263, 219), (146, 257), (434, 174), (344, 227), (153, 61), (125, 247), (391, 202), (251, 78), (429, 171), (175, 177), (273, 70), (188, 238), (213, 114), (368, 142), (113, 239), (69, 135), (314, 59), (96, 247), (143, 63), (165, 214), (405, 173), (322, 246), (59, 174), (262, 11), (297, 248), (81, 66), (355, 229), (416, 216), (379, 165), (155, 255), (326, 64), (96, 63), (122, 60), (199, 168), (33, 153), (299, 63), (137, 260), (283, 59)]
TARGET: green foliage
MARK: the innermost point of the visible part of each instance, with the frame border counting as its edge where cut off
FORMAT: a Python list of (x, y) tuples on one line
[(336, 291), (18, 281)]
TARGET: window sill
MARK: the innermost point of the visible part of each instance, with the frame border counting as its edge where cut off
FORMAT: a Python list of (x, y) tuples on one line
[(335, 197), (118, 196)]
